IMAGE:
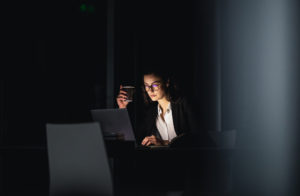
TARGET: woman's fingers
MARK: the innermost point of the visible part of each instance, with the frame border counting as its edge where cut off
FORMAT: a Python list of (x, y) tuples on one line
[(153, 140), (145, 140), (123, 92), (121, 97), (148, 143), (156, 141)]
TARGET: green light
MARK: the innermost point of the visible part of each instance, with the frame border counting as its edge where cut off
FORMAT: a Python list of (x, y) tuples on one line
[(87, 8), (83, 8), (91, 9)]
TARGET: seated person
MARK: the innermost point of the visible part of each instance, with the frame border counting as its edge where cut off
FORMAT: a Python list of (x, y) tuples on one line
[(167, 115)]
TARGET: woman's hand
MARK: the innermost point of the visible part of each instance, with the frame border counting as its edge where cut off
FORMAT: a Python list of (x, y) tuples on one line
[(152, 140), (121, 98)]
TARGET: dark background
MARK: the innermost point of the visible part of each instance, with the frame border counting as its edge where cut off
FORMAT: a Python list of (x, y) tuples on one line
[(237, 59), (55, 57), (55, 68)]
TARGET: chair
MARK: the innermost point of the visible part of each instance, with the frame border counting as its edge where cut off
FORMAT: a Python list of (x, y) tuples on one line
[(78, 162)]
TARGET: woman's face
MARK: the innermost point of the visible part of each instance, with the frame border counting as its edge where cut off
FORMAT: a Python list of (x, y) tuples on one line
[(153, 87)]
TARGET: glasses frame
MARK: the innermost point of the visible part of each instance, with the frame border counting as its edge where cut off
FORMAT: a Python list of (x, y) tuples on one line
[(148, 87)]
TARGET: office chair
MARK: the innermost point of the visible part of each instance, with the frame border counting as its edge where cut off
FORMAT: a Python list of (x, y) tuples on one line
[(77, 160)]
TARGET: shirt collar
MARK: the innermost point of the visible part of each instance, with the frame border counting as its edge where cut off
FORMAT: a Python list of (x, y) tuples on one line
[(169, 109)]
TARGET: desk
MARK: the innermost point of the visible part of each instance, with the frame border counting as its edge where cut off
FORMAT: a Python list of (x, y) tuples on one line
[(135, 171)]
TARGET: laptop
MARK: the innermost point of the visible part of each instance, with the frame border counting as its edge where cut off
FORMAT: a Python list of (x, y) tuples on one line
[(116, 122)]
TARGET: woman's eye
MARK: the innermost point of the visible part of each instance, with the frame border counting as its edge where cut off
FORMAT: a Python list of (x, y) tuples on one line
[(155, 85)]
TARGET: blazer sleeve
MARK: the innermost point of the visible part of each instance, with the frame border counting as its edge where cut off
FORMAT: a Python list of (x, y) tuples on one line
[(191, 116), (146, 125)]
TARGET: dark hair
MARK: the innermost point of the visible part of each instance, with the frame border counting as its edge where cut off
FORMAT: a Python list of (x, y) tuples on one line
[(172, 91)]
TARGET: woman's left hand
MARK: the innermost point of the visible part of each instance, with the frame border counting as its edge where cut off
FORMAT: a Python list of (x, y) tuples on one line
[(152, 140)]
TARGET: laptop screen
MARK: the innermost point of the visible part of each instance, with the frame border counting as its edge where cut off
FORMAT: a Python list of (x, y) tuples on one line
[(114, 121)]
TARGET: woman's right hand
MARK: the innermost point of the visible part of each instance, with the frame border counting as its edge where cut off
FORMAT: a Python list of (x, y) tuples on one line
[(153, 140), (121, 98)]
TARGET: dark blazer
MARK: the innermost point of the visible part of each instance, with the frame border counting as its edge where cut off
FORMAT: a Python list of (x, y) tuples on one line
[(184, 119)]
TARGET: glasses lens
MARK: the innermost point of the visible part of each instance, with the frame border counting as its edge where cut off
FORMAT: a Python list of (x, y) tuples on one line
[(155, 86), (147, 87)]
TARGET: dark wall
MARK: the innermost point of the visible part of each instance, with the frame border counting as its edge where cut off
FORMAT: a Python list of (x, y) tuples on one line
[(55, 67), (151, 33), (76, 59), (53, 70), (206, 67)]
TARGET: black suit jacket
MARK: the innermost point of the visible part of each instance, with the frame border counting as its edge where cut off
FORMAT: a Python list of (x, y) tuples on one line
[(184, 119)]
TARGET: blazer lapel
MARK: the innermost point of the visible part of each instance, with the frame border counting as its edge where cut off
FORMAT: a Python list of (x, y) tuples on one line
[(175, 116), (151, 120)]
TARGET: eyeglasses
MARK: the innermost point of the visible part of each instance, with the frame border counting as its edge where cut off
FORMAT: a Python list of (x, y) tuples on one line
[(153, 87)]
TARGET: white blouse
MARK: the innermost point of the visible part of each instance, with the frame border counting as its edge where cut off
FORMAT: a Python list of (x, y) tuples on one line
[(166, 126)]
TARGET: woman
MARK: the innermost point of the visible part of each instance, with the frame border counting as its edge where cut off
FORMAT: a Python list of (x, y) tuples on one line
[(167, 115)]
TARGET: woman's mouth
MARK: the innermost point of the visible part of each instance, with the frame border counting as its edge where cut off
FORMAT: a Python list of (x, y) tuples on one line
[(152, 96)]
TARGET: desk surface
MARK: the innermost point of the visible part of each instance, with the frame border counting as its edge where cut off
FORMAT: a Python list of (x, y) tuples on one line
[(129, 166), (116, 146)]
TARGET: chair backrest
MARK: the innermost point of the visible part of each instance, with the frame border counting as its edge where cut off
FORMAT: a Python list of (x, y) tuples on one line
[(78, 162)]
